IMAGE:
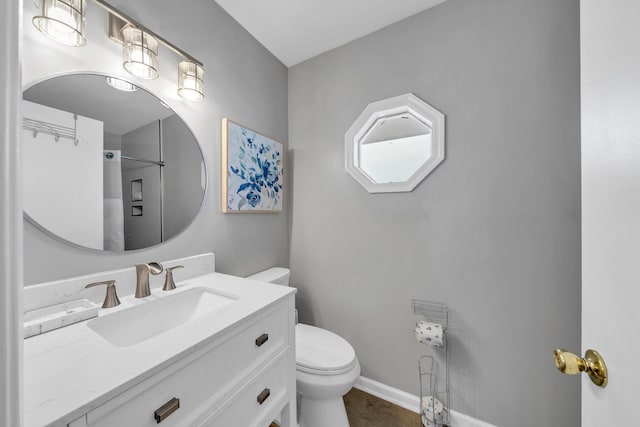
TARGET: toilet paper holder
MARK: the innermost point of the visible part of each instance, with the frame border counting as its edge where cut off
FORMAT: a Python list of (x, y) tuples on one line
[(433, 394), (434, 312), (434, 379)]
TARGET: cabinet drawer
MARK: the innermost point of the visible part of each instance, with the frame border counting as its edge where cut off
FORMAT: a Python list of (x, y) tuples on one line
[(201, 384), (259, 398)]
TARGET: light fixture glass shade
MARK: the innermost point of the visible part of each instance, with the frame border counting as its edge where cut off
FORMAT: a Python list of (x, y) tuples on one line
[(190, 81), (140, 53), (120, 84), (63, 21)]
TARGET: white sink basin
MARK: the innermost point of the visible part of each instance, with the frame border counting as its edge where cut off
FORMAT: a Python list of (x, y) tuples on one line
[(136, 324)]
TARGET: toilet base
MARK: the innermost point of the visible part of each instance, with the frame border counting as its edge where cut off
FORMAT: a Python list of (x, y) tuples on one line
[(319, 397), (322, 413)]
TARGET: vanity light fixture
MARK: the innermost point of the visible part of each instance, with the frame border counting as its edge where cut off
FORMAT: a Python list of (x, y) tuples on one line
[(120, 84), (63, 21), (190, 81), (140, 53)]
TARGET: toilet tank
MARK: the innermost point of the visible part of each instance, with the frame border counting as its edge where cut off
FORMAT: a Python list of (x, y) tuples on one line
[(275, 275)]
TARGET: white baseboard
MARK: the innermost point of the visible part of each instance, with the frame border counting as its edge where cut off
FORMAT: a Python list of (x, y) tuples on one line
[(397, 397), (412, 402)]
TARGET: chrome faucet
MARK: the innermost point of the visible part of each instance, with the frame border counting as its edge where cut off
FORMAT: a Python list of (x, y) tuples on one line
[(142, 277)]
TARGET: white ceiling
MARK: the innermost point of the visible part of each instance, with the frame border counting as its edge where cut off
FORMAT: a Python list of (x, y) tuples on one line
[(296, 30)]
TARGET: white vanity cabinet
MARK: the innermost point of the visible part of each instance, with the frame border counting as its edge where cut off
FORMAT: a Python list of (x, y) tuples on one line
[(243, 378), (232, 366)]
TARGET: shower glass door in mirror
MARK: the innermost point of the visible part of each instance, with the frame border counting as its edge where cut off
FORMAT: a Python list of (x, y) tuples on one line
[(107, 165)]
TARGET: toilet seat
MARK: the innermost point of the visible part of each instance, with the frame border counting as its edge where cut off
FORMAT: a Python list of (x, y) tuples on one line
[(321, 352)]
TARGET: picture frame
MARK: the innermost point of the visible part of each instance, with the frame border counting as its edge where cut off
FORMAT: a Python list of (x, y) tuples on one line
[(252, 171)]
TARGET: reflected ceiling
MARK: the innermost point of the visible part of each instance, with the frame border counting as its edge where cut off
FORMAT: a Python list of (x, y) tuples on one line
[(69, 93)]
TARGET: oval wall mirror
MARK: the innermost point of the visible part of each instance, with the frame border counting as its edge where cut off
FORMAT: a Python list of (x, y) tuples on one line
[(394, 144), (107, 165)]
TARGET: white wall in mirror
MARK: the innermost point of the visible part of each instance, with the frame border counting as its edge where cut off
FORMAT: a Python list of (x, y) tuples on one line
[(64, 178), (394, 144)]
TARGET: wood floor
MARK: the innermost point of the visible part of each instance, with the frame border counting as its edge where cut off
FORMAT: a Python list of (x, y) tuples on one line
[(365, 410)]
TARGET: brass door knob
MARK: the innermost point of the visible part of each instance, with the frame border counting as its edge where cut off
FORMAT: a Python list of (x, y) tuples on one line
[(592, 363)]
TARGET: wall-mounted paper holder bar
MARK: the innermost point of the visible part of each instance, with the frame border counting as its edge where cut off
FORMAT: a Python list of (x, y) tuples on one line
[(432, 311)]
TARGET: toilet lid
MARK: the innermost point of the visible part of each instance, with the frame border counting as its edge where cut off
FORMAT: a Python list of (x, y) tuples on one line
[(322, 352)]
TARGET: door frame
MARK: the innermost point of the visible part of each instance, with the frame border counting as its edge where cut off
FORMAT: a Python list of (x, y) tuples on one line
[(11, 222)]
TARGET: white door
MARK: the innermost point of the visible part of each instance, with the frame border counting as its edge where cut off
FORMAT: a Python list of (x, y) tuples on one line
[(610, 91)]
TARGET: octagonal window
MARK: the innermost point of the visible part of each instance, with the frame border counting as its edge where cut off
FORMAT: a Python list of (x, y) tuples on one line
[(394, 144)]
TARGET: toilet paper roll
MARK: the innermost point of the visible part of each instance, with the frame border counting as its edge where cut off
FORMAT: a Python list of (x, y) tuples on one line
[(429, 333), (428, 423), (433, 411), (431, 404)]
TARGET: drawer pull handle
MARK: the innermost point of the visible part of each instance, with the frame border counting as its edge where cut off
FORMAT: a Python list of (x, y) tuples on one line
[(264, 395), (167, 409), (262, 339)]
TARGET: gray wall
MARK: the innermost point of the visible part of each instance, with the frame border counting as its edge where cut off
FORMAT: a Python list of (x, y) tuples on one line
[(494, 231), (244, 82), (112, 141)]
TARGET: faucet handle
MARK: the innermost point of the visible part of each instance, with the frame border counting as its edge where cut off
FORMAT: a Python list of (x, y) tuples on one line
[(111, 298), (169, 284)]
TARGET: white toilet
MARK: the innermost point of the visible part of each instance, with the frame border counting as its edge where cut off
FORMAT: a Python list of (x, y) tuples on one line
[(326, 367)]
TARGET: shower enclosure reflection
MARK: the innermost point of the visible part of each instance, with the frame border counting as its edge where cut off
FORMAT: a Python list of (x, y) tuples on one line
[(107, 168)]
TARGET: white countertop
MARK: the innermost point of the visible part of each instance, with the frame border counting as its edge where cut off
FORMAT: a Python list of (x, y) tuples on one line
[(72, 370)]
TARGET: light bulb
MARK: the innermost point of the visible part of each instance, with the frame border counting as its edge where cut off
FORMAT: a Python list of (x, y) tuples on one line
[(140, 53), (62, 21), (190, 81), (120, 84)]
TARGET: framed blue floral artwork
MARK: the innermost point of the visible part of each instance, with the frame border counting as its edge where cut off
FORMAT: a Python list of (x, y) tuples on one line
[(252, 170)]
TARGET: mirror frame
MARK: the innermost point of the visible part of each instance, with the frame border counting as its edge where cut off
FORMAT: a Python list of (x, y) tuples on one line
[(407, 103), (61, 239)]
